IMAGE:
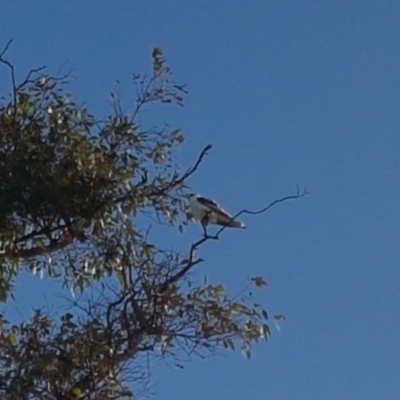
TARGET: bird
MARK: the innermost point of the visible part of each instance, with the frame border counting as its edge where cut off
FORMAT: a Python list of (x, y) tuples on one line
[(208, 211)]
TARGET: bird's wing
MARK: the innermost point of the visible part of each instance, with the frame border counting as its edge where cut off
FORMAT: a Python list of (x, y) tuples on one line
[(213, 206)]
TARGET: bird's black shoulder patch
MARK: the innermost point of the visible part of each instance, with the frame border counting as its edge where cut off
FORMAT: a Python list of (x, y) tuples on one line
[(205, 201)]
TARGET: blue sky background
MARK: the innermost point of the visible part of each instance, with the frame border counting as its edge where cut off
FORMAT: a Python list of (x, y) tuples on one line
[(289, 93)]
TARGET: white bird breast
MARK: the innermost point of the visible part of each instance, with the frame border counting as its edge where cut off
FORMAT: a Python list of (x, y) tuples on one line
[(198, 210)]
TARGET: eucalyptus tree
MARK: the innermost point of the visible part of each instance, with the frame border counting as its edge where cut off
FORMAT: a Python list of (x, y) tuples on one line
[(75, 190)]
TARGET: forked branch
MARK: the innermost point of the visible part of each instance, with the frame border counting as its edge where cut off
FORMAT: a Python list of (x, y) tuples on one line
[(183, 177)]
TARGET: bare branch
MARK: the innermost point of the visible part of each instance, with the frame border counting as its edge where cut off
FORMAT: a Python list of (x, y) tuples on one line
[(143, 97), (173, 183), (174, 278), (190, 171), (12, 71), (6, 48), (28, 77), (186, 175), (298, 195)]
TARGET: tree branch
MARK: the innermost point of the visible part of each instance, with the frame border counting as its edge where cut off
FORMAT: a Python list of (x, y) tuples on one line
[(41, 232), (298, 195), (191, 262), (39, 251), (173, 183), (28, 77), (11, 68), (186, 175), (6, 48)]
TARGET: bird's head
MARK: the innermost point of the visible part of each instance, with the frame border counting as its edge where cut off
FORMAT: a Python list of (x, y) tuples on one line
[(193, 196)]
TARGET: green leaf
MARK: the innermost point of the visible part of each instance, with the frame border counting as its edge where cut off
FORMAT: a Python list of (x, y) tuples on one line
[(149, 249), (266, 331), (11, 338), (76, 392)]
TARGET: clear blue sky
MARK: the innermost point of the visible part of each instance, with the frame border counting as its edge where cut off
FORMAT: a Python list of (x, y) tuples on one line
[(289, 93)]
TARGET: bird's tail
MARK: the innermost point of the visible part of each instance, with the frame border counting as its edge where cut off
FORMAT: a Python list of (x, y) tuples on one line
[(234, 223)]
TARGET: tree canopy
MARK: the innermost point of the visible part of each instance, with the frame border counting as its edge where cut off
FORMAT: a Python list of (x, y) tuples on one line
[(73, 186)]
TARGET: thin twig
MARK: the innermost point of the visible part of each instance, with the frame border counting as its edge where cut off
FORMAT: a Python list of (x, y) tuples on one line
[(11, 67), (173, 183), (28, 77), (6, 48), (64, 241), (298, 195), (186, 175), (190, 264)]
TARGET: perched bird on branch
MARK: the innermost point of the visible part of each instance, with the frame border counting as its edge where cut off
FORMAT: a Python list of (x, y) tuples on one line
[(208, 211)]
